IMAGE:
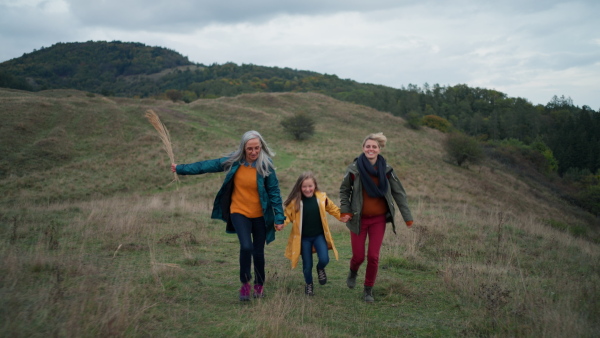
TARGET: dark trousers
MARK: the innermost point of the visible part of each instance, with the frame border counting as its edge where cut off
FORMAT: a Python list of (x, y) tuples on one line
[(252, 233)]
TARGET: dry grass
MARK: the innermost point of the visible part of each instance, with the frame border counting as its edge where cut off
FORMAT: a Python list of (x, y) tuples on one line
[(100, 246), (164, 135)]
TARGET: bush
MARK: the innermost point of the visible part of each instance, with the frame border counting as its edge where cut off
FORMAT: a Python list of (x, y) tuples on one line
[(300, 126), (515, 153), (436, 122), (189, 96), (589, 199), (462, 149), (413, 120), (174, 95)]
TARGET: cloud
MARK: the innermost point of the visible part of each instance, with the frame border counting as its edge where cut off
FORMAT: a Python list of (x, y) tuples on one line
[(525, 48), (179, 15)]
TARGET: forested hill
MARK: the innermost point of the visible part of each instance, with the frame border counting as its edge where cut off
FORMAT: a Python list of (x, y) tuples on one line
[(90, 66), (556, 138)]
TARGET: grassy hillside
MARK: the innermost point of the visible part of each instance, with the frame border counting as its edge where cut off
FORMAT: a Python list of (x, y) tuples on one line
[(96, 239)]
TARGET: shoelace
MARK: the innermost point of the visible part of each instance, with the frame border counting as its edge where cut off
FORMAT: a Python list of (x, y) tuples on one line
[(321, 274)]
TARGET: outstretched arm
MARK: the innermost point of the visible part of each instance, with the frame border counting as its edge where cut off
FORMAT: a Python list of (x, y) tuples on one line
[(202, 167)]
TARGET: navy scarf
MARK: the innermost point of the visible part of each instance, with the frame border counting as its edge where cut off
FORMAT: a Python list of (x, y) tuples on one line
[(366, 170)]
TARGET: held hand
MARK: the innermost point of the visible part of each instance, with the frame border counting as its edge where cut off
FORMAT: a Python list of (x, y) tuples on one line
[(173, 167), (345, 219)]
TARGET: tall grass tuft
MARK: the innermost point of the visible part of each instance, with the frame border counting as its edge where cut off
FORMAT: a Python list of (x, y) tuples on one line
[(164, 135)]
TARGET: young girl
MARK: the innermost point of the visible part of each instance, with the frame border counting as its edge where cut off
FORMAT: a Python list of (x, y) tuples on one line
[(305, 207)]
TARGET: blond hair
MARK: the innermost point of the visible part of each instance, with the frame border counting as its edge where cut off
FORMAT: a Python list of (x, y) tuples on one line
[(377, 137)]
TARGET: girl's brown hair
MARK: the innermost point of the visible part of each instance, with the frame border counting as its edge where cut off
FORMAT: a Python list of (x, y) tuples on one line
[(296, 193)]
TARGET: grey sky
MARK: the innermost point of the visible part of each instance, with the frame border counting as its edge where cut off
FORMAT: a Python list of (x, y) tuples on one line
[(524, 48)]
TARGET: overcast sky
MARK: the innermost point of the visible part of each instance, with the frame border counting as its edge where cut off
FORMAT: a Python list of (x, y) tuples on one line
[(532, 49)]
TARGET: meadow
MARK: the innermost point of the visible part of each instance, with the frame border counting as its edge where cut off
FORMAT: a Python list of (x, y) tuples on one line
[(97, 240)]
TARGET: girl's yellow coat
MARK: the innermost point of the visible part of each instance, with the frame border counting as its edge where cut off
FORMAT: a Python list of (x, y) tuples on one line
[(292, 251)]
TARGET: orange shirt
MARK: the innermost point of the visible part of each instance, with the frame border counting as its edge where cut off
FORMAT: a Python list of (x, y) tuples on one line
[(244, 199)]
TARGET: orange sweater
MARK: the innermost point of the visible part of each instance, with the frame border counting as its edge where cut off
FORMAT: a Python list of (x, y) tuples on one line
[(373, 206), (244, 199)]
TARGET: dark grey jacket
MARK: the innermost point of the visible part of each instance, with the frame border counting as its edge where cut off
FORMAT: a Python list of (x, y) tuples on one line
[(351, 198)]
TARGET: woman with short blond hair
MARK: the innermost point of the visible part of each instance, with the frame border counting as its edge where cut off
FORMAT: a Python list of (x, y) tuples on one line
[(367, 195)]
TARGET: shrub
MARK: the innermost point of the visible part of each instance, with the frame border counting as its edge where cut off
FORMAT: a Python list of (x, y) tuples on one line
[(550, 164), (174, 95), (589, 199), (189, 96), (436, 122), (462, 149), (413, 120), (515, 153), (299, 125)]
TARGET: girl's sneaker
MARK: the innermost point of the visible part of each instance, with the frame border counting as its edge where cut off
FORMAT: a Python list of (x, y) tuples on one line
[(308, 290), (258, 291), (322, 276), (245, 292)]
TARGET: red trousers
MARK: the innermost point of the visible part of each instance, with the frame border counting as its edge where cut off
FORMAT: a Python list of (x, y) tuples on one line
[(374, 228)]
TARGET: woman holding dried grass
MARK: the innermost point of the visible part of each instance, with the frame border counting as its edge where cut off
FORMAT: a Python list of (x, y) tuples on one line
[(367, 195), (249, 201)]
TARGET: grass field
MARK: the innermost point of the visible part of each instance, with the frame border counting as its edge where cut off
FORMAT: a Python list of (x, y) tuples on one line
[(96, 239)]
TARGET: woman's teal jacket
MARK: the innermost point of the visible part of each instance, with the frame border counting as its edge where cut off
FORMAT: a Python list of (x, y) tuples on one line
[(268, 192)]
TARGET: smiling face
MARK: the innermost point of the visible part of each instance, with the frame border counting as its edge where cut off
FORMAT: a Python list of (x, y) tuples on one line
[(371, 150), (252, 149), (308, 187)]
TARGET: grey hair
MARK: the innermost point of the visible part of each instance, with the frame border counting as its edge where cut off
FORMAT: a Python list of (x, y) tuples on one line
[(264, 164)]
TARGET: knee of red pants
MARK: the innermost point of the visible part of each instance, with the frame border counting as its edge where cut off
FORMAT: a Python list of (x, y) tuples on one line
[(373, 259), (356, 262)]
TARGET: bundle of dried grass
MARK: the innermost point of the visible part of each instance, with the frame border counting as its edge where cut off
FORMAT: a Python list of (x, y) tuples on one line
[(164, 135)]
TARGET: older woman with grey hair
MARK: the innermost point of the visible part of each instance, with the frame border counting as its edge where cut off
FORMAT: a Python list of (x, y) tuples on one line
[(249, 201)]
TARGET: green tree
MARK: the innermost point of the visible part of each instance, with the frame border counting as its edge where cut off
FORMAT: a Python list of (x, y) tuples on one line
[(463, 149), (300, 126)]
